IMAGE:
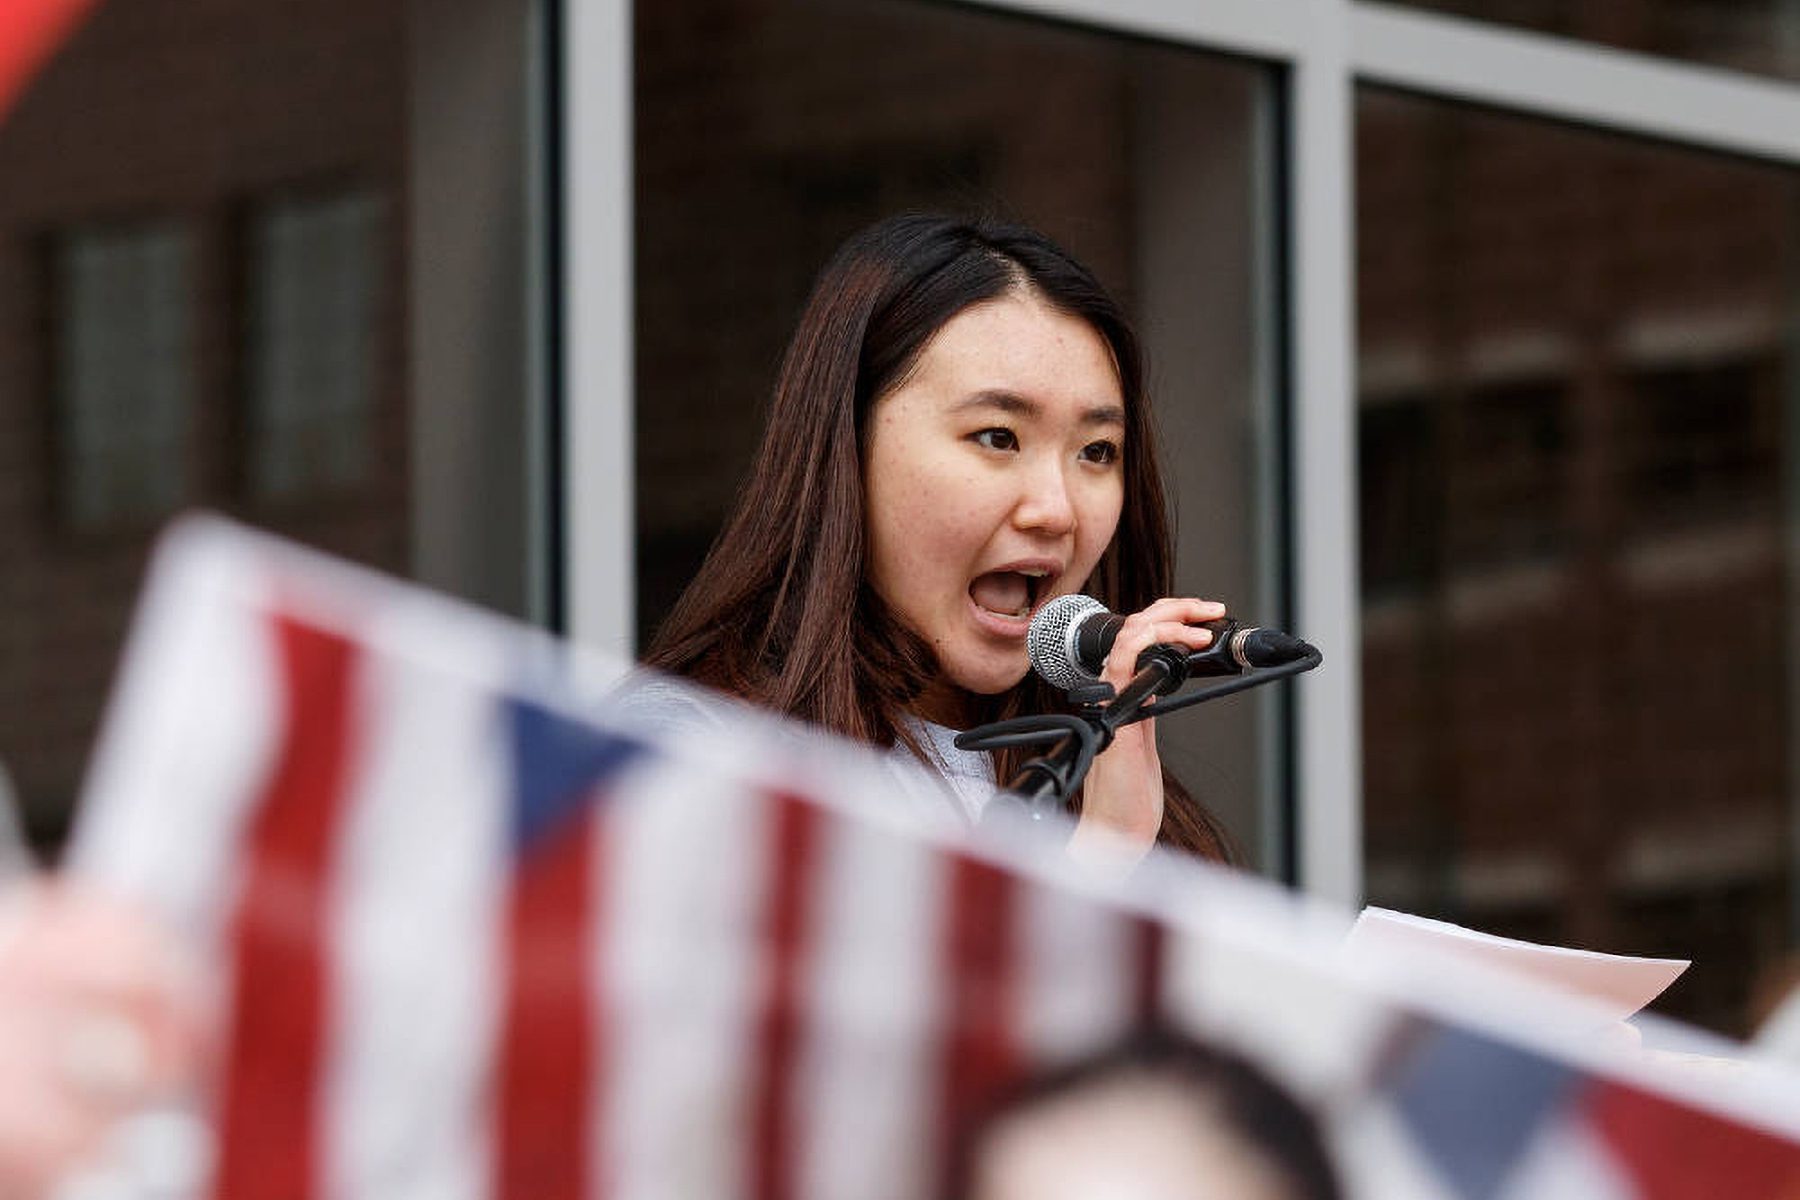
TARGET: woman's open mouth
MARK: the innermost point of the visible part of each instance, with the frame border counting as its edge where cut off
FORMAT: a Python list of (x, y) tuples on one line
[(1012, 594)]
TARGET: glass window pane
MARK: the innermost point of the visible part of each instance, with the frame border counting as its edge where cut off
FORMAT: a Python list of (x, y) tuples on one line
[(261, 259), (1758, 36), (1577, 388), (766, 138), (122, 329), (311, 403)]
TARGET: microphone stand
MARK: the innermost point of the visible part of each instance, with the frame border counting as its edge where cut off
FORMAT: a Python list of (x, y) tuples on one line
[(1044, 784)]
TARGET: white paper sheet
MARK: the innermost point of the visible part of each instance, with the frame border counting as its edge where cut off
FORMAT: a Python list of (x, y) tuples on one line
[(1621, 982)]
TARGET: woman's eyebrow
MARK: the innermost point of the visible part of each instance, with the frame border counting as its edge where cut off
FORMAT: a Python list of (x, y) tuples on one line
[(1016, 405), (1000, 400)]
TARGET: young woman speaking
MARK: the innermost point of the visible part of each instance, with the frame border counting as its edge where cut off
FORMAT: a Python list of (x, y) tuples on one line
[(959, 432)]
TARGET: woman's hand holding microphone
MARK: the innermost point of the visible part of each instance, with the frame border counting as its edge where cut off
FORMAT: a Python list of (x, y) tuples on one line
[(1122, 805)]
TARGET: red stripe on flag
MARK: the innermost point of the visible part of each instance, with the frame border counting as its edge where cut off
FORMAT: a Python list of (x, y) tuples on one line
[(30, 31), (1672, 1152), (1150, 952), (980, 967), (787, 938), (268, 1143), (547, 1033)]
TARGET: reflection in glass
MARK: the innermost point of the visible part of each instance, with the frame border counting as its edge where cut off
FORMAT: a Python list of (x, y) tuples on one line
[(766, 133), (1576, 383), (1758, 36)]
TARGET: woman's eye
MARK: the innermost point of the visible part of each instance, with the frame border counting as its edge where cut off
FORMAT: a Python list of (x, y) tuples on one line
[(1100, 452), (997, 439)]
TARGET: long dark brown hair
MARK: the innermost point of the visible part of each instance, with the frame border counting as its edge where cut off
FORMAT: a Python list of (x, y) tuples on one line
[(781, 612)]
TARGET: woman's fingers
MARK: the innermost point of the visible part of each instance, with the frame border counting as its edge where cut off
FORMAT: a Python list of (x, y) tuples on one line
[(1185, 609), (1173, 621)]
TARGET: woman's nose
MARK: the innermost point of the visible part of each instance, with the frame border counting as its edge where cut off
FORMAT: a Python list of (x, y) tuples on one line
[(1045, 504)]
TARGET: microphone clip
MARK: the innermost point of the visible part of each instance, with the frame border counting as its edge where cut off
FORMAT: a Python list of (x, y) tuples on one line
[(1085, 696)]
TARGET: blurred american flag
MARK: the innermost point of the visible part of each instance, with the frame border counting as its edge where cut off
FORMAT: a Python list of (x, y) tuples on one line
[(480, 929)]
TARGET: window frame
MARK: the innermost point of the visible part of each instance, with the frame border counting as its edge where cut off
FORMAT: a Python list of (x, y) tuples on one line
[(1322, 49)]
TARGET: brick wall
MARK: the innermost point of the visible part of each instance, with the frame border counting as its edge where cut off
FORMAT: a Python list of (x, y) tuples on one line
[(1576, 686), (187, 111)]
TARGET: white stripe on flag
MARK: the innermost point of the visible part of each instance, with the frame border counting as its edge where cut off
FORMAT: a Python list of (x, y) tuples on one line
[(1567, 1162), (1078, 973), (684, 884), (869, 1076), (188, 747), (421, 886), (1368, 1141)]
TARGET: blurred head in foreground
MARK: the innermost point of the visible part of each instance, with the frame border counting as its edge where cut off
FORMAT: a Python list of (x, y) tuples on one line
[(1158, 1117)]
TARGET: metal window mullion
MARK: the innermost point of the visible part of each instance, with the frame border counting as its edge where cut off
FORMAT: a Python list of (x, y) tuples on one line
[(1323, 491), (1271, 29), (599, 509), (1575, 81), (543, 312)]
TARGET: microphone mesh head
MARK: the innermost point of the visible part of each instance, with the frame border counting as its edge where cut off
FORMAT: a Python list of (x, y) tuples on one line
[(1051, 640)]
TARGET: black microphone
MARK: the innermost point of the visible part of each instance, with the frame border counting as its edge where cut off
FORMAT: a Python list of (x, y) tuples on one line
[(1071, 636)]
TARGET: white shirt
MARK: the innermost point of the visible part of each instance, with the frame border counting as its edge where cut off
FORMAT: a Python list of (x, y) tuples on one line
[(953, 785), (965, 776)]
